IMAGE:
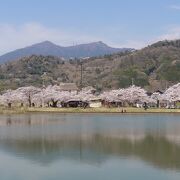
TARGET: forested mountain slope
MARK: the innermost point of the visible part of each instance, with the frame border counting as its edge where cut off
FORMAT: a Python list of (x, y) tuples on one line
[(154, 67)]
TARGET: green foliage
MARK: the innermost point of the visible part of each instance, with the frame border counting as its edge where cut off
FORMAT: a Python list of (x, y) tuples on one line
[(131, 76), (166, 43), (124, 81), (170, 73)]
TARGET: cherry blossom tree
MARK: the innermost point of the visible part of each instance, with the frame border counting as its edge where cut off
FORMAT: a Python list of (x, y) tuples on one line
[(28, 93), (172, 94), (132, 94), (158, 97), (10, 97), (135, 94), (50, 95)]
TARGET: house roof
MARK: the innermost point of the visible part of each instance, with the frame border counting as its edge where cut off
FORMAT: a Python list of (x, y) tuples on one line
[(89, 89), (68, 87)]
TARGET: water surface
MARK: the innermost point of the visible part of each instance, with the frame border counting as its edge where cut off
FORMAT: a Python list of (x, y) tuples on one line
[(89, 146)]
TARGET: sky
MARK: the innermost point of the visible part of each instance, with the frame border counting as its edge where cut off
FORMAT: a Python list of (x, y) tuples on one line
[(118, 23)]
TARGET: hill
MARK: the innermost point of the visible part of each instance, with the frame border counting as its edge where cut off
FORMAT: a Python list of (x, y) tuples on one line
[(154, 67), (47, 48)]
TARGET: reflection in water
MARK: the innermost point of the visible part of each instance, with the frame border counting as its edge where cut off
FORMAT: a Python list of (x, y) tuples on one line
[(92, 139), (156, 150)]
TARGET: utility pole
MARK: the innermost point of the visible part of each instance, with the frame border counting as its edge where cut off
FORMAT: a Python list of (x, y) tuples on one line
[(43, 78), (132, 81), (81, 83), (166, 85), (82, 70)]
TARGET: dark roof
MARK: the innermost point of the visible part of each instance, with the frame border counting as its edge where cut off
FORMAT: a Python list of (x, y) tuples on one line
[(158, 91)]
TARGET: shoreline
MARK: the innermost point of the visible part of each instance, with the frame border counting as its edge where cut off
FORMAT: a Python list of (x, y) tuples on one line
[(87, 110)]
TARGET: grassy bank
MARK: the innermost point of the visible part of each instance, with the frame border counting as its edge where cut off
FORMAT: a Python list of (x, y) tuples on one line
[(4, 110), (88, 110), (102, 110)]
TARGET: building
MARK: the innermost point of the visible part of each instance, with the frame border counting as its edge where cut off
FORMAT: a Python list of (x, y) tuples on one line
[(95, 103), (70, 87), (89, 89)]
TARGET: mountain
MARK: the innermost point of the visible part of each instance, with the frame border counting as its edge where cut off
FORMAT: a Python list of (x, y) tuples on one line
[(154, 68), (48, 48)]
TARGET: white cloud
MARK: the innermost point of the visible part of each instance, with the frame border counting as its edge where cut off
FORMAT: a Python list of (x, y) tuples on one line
[(173, 33), (13, 37), (176, 7), (132, 44)]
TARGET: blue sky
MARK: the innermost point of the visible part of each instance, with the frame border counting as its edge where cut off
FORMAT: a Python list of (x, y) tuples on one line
[(119, 23)]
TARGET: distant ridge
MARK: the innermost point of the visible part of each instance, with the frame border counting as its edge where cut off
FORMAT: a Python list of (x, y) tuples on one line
[(48, 48)]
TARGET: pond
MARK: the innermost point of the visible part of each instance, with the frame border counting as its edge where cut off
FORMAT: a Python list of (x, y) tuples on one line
[(52, 146)]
